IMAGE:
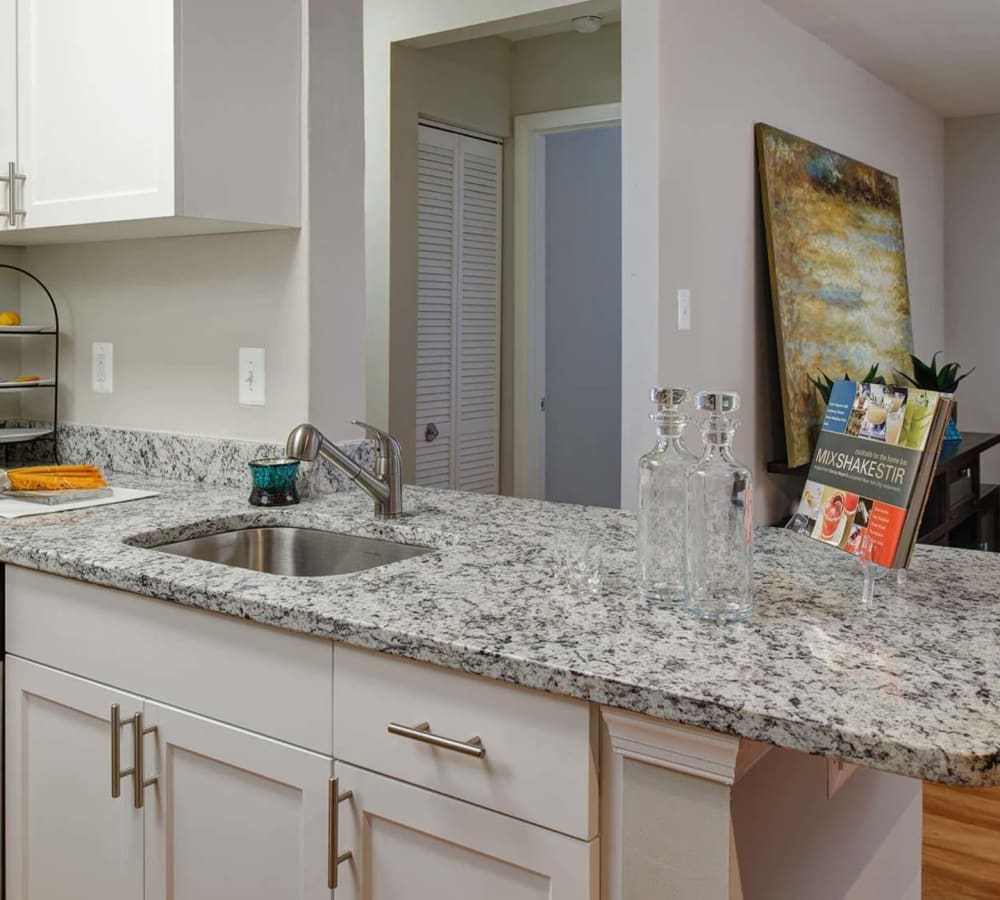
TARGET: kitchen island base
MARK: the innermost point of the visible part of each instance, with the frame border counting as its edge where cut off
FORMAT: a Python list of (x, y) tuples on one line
[(692, 814)]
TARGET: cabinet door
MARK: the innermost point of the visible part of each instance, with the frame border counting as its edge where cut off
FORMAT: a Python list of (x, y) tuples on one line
[(8, 99), (67, 839), (95, 110), (412, 843), (233, 814)]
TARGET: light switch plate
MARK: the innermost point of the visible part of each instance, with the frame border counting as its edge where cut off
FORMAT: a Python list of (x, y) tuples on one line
[(684, 310), (102, 376), (253, 376)]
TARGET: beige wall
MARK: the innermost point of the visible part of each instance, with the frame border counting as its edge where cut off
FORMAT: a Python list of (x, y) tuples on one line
[(465, 84), (564, 70), (427, 23), (558, 71), (178, 309), (478, 85), (10, 348), (972, 271), (726, 65)]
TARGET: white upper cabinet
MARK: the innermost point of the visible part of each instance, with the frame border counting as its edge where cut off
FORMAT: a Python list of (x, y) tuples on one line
[(8, 105), (151, 117)]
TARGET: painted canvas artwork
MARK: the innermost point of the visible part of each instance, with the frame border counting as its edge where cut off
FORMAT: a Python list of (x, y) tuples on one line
[(838, 273)]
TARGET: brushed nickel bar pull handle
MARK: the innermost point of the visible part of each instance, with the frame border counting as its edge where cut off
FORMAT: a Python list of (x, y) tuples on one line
[(422, 732), (140, 782), (117, 774), (13, 209), (334, 857), (8, 179)]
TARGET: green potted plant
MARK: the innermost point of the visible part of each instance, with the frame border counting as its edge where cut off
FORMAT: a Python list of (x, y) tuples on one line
[(824, 384), (944, 380)]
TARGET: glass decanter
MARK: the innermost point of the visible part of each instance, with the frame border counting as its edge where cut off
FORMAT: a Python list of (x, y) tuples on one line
[(719, 571), (661, 515)]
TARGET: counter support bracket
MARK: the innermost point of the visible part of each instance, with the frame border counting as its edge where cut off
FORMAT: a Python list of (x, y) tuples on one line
[(666, 827)]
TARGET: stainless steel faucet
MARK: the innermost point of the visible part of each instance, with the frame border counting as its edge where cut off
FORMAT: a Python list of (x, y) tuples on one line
[(384, 485)]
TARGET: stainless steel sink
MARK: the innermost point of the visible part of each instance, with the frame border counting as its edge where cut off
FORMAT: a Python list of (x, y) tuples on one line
[(302, 552)]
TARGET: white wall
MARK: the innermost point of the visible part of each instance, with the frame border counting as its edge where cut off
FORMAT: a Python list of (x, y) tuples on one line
[(972, 271), (177, 309), (726, 65)]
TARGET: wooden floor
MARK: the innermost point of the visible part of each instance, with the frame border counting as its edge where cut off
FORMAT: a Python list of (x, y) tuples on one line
[(961, 843)]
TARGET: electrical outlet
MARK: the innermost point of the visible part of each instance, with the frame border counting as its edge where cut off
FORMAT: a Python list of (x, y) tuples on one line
[(684, 310), (102, 378), (253, 376)]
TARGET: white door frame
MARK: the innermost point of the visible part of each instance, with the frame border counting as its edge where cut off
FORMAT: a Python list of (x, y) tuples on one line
[(529, 281)]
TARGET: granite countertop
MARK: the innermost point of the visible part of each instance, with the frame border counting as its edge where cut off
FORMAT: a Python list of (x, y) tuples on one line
[(912, 686)]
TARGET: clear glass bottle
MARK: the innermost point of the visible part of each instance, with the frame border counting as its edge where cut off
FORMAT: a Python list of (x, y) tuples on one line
[(662, 474), (719, 572)]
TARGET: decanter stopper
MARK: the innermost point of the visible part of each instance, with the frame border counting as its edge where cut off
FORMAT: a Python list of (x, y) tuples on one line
[(668, 399), (718, 402)]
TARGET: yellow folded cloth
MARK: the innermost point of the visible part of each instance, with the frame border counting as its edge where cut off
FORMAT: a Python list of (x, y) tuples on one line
[(56, 478)]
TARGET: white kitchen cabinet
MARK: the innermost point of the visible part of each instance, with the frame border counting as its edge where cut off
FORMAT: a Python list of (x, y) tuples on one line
[(230, 813), (67, 838), (408, 842), (234, 814), (153, 117), (8, 105), (244, 810), (539, 762)]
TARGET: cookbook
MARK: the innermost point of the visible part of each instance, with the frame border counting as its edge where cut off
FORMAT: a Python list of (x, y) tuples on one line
[(872, 469)]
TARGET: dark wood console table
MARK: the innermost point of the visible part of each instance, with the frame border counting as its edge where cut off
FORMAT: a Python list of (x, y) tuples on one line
[(961, 511)]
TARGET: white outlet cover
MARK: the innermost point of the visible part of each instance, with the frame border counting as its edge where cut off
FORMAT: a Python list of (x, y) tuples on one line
[(684, 310), (102, 376), (253, 376)]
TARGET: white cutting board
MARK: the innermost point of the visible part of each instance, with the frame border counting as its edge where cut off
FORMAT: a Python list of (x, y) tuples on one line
[(15, 509)]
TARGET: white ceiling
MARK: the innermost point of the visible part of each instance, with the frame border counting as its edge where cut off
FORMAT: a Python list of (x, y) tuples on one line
[(943, 53)]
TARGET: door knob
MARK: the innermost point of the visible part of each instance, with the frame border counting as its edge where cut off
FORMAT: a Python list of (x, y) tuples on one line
[(430, 432)]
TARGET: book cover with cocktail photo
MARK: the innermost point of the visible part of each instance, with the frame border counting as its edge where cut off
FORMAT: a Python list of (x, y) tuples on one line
[(872, 469)]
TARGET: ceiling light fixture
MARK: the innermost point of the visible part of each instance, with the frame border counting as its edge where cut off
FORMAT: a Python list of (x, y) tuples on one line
[(587, 24)]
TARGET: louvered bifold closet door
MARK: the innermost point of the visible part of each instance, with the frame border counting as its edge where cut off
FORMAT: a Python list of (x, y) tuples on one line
[(478, 402), (437, 287), (458, 311)]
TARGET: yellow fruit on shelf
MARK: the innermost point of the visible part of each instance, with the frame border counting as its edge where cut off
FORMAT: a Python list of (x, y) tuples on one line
[(9, 317), (28, 378)]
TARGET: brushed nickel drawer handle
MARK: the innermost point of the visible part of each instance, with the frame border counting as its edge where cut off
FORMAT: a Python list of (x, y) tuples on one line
[(422, 732), (334, 856), (117, 773), (141, 782)]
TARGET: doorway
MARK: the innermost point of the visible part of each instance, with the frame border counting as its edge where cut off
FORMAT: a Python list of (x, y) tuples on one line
[(480, 82), (568, 305)]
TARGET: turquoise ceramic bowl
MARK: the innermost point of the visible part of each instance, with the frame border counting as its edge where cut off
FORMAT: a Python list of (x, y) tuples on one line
[(273, 482)]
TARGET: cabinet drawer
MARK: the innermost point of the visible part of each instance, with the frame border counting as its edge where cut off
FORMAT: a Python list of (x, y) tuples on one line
[(411, 843), (262, 679), (540, 761)]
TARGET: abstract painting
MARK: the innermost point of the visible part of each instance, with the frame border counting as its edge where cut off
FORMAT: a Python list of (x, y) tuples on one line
[(838, 273)]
